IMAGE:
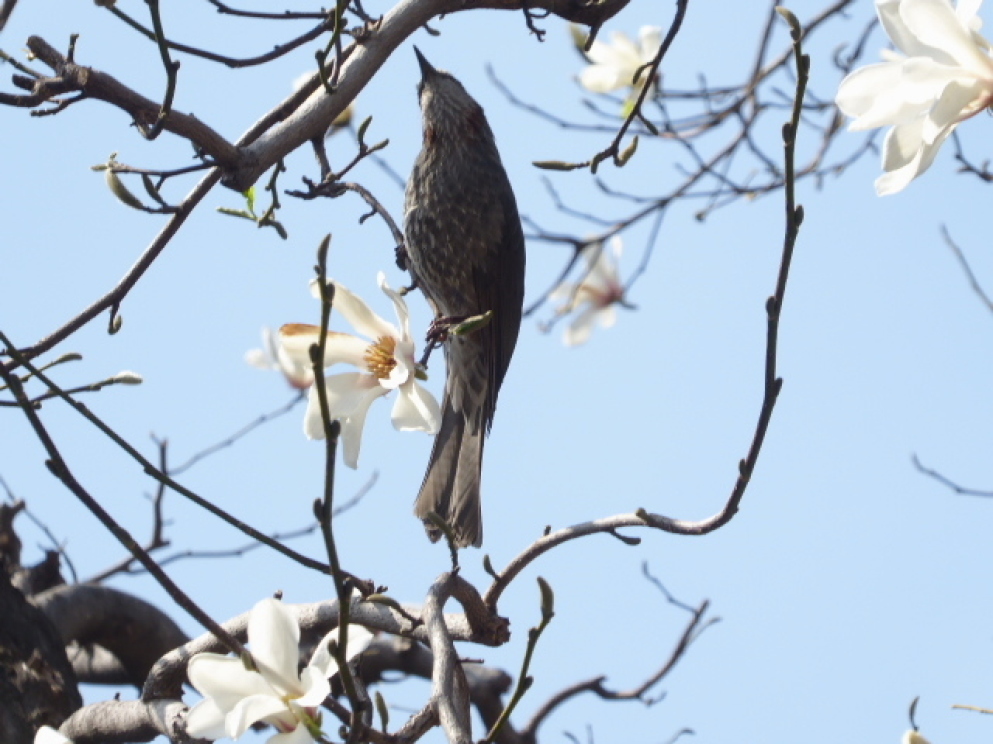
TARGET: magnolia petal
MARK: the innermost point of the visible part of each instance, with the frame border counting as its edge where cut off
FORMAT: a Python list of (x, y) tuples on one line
[(904, 142), (416, 409), (873, 95), (563, 291), (953, 106), (399, 304), (608, 53), (359, 639), (904, 163), (299, 735), (404, 366), (315, 688), (351, 391), (611, 270), (603, 271), (224, 679), (351, 440), (901, 157), (603, 78), (924, 80), (935, 24), (321, 660), (607, 317), (346, 394), (274, 637), (48, 735), (578, 332), (297, 338), (901, 36), (299, 376), (623, 52), (252, 710), (354, 309), (617, 247), (592, 254), (313, 422), (315, 288), (346, 348), (649, 42), (259, 359), (205, 720), (351, 427), (897, 180), (270, 341), (929, 152), (858, 91), (968, 14)]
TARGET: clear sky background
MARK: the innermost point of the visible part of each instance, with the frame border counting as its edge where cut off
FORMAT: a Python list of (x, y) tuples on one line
[(848, 584)]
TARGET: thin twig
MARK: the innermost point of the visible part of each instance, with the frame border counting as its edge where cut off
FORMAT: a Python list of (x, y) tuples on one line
[(60, 469), (19, 359), (964, 263), (948, 483)]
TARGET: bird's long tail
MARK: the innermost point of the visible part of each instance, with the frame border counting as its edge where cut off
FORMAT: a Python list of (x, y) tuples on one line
[(451, 484)]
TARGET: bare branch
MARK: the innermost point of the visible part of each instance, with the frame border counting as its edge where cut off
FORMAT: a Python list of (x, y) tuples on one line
[(964, 263), (122, 722), (315, 620), (99, 85), (449, 689), (135, 632), (313, 118), (948, 483)]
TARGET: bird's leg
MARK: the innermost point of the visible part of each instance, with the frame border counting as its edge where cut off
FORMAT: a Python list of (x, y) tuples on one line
[(438, 330), (438, 333), (434, 338), (444, 326)]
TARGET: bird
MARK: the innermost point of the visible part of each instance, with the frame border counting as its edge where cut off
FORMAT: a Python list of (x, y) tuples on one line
[(465, 251)]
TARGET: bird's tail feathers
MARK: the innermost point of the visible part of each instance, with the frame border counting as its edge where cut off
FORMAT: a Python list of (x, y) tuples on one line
[(451, 485)]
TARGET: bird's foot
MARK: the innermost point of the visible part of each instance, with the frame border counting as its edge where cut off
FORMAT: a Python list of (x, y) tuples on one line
[(440, 327), (403, 259)]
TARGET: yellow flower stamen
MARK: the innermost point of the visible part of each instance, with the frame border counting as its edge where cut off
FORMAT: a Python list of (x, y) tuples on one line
[(380, 357)]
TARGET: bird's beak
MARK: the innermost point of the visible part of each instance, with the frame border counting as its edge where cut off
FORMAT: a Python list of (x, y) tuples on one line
[(426, 69)]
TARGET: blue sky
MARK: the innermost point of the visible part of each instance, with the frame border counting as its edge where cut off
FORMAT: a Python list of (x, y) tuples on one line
[(848, 583)]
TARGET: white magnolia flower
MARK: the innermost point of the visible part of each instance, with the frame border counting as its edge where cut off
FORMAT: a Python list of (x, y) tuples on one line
[(941, 74), (387, 363), (299, 373), (277, 694), (912, 737), (614, 65), (48, 735), (595, 298)]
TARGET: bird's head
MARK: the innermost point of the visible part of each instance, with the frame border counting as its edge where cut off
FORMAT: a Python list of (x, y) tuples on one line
[(446, 106)]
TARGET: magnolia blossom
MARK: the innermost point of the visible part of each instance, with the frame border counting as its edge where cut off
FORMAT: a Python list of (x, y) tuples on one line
[(48, 735), (277, 694), (299, 373), (386, 362), (941, 74), (614, 65), (595, 297)]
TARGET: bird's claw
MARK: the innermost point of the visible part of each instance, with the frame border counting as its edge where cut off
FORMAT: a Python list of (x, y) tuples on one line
[(403, 259), (438, 330)]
